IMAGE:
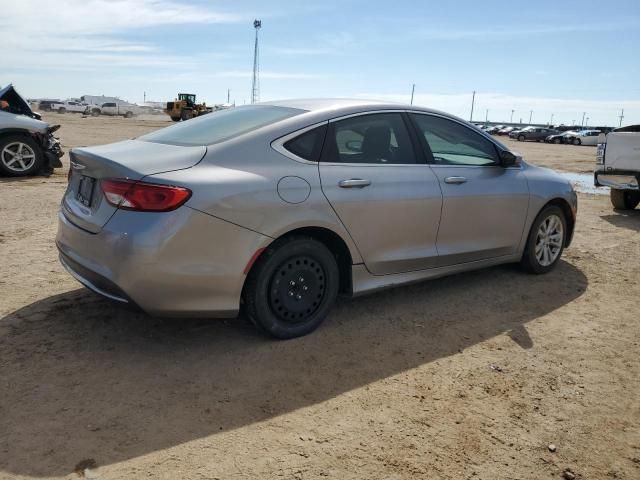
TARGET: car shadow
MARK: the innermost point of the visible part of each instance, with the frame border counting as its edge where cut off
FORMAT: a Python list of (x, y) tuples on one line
[(629, 219), (84, 379)]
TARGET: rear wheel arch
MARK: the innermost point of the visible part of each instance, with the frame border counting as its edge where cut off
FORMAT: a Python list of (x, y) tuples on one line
[(332, 241)]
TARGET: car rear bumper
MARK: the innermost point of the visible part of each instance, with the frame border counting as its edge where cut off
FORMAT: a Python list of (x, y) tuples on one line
[(618, 179), (181, 263)]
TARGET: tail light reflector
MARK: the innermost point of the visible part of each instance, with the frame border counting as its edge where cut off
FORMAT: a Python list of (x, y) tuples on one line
[(144, 197)]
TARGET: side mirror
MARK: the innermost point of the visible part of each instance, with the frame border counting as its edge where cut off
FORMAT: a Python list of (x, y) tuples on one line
[(508, 159)]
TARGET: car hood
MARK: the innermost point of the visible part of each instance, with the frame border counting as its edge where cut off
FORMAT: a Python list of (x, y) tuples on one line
[(17, 104), (9, 121)]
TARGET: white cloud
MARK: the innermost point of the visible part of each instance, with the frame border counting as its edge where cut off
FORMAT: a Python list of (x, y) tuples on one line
[(32, 31), (499, 106)]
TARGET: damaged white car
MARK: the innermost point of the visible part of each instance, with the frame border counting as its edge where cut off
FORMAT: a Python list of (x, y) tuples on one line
[(27, 144)]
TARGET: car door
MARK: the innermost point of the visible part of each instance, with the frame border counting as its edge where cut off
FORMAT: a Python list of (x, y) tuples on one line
[(384, 193), (484, 204)]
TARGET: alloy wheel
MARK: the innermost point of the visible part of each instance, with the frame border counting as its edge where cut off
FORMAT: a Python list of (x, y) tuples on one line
[(549, 240), (18, 157)]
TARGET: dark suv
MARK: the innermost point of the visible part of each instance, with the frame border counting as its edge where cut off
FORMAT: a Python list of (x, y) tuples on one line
[(537, 134)]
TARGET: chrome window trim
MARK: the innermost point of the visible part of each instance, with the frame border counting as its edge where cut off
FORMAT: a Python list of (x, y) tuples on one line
[(278, 143)]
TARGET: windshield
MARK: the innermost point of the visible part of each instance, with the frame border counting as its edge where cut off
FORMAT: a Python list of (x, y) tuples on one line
[(219, 126)]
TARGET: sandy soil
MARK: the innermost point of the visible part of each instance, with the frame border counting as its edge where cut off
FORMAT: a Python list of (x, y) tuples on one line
[(468, 377)]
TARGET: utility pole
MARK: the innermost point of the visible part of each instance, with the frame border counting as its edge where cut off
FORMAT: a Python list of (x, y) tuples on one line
[(413, 89), (255, 86), (511, 119), (587, 124), (228, 96), (473, 101), (621, 117), (551, 121), (486, 116), (583, 114), (530, 115), (144, 94)]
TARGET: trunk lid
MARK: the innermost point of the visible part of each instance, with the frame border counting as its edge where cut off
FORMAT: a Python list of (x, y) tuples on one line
[(84, 203)]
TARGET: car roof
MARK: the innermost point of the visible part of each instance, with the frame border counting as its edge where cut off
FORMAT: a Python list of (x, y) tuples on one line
[(344, 105)]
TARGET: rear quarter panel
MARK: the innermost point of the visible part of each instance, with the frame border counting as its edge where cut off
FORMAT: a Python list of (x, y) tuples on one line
[(238, 181)]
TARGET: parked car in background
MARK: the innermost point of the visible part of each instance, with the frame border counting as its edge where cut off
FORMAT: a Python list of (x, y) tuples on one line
[(45, 105), (493, 130), (291, 194), (73, 106), (618, 166), (126, 110), (27, 144), (537, 134), (560, 137), (584, 137), (506, 130)]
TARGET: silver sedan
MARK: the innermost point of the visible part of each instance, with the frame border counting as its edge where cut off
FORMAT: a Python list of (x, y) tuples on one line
[(279, 207)]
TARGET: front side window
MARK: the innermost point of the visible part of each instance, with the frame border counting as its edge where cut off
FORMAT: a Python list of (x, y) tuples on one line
[(454, 144), (380, 138), (221, 125)]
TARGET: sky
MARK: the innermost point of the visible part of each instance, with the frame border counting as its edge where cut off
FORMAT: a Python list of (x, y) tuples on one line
[(565, 58)]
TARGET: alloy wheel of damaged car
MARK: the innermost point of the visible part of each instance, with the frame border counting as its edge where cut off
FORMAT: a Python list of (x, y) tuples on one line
[(546, 240), (291, 287), (19, 156)]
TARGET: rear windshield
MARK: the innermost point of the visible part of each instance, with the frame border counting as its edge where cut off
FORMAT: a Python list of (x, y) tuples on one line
[(219, 126)]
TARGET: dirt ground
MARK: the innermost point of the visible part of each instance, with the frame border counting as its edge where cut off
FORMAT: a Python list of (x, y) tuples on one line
[(467, 377)]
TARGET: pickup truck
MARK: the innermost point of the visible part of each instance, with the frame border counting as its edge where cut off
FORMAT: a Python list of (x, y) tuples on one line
[(69, 106), (618, 166), (114, 109)]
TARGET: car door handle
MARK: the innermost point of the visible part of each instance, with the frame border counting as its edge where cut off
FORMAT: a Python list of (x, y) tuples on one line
[(455, 180), (354, 183)]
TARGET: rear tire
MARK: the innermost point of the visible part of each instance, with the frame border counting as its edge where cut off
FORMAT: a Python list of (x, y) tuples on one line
[(576, 141), (291, 287), (521, 138), (545, 242), (95, 112), (557, 141), (62, 110), (624, 199), (128, 115)]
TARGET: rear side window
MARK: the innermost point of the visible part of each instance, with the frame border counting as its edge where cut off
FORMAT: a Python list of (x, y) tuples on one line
[(454, 144), (219, 126), (380, 138), (308, 145)]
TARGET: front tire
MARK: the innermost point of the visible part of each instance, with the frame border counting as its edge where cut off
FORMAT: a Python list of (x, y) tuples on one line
[(576, 141), (546, 241), (557, 141), (19, 156), (521, 138), (624, 199), (292, 287), (62, 110)]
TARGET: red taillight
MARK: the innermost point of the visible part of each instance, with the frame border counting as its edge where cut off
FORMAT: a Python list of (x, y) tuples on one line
[(145, 197)]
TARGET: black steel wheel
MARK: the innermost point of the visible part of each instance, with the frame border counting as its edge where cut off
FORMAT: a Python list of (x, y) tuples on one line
[(292, 287), (297, 289)]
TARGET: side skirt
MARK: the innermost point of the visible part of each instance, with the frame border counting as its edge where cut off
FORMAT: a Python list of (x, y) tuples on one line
[(364, 282)]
